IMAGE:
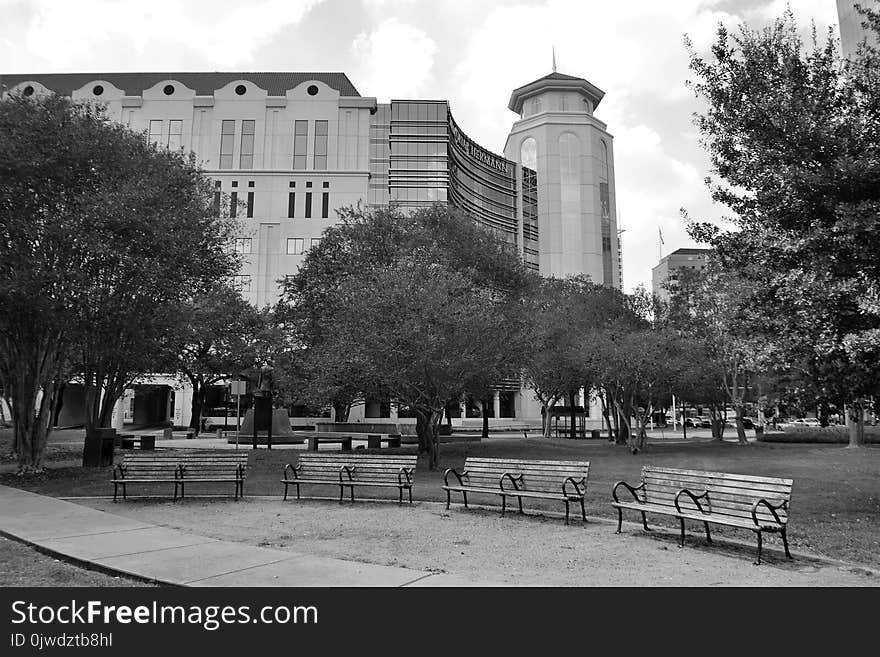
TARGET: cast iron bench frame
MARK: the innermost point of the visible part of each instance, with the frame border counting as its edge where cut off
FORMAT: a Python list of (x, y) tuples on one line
[(346, 470), (760, 504), (551, 479)]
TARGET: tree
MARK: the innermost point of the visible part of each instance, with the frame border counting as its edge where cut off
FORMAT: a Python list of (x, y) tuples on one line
[(101, 233), (215, 338), (424, 307), (793, 136)]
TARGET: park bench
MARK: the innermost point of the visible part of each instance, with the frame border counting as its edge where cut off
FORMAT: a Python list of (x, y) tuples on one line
[(344, 441), (350, 471), (180, 468), (565, 481), (374, 440), (144, 441), (760, 504)]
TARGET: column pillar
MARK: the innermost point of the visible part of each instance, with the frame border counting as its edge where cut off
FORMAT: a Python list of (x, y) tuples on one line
[(496, 404)]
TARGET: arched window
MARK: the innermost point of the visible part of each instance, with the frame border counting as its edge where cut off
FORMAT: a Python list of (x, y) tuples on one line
[(528, 153), (603, 155), (570, 179)]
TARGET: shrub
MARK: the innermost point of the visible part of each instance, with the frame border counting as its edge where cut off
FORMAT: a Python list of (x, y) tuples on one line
[(835, 434)]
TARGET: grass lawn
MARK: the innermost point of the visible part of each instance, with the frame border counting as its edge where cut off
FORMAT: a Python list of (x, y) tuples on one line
[(835, 500), (22, 565)]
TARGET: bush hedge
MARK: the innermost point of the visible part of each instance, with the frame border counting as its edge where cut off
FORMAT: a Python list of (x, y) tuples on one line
[(835, 434)]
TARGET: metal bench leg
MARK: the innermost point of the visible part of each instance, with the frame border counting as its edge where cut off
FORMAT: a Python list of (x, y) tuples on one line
[(681, 544), (410, 494), (352, 492), (645, 522), (708, 535), (619, 519), (566, 512), (583, 511), (341, 492), (297, 491), (785, 543), (758, 562), (503, 504), (175, 491), (519, 499), (285, 492), (115, 486), (447, 500), (464, 495)]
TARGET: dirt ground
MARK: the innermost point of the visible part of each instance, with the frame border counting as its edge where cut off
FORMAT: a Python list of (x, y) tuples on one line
[(480, 545)]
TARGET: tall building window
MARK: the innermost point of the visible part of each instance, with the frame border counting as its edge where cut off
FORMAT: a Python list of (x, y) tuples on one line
[(315, 241), (325, 204), (243, 245), (246, 158), (233, 204), (242, 283), (300, 143), (217, 197), (155, 131), (308, 205), (528, 153), (250, 205), (291, 205), (227, 144), (175, 134), (321, 145), (295, 245)]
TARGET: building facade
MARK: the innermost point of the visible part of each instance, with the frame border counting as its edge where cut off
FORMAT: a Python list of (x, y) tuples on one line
[(666, 273), (851, 31), (288, 149)]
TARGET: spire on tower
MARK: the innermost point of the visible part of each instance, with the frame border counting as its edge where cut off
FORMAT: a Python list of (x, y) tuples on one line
[(554, 58)]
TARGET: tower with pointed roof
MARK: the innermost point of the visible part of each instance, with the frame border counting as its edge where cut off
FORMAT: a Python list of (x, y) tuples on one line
[(559, 137)]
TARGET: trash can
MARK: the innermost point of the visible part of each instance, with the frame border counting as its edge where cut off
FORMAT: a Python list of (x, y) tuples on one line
[(596, 433), (98, 448)]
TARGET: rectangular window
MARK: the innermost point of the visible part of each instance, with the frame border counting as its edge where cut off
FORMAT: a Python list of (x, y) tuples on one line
[(315, 241), (300, 143), (321, 145), (308, 205), (243, 245), (246, 158), (295, 245), (250, 205), (242, 283), (155, 131), (325, 205), (233, 204), (291, 205), (175, 134), (227, 143)]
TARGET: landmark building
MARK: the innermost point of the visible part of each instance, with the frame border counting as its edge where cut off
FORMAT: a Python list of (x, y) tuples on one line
[(665, 275), (290, 148)]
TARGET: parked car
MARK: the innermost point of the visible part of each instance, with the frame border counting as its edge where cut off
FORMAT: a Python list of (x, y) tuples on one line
[(705, 421), (799, 422), (692, 421)]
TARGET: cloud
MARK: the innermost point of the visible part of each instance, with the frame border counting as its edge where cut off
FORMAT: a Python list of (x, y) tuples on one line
[(69, 34), (394, 60)]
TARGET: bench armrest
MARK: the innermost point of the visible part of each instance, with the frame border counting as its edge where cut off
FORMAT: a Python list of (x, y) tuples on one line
[(631, 489), (577, 483), (513, 479), (119, 471), (771, 507), (293, 468), (405, 472), (348, 470), (179, 471), (696, 499), (457, 476)]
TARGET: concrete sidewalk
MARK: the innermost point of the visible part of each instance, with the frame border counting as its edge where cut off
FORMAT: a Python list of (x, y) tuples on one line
[(120, 545)]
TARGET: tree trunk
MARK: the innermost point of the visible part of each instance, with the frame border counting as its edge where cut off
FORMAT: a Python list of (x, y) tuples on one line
[(341, 409), (855, 422), (545, 418), (485, 409), (740, 428), (427, 422), (200, 392), (572, 430)]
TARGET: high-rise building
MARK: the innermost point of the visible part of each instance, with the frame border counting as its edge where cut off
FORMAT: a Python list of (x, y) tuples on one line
[(851, 30), (666, 273), (288, 149)]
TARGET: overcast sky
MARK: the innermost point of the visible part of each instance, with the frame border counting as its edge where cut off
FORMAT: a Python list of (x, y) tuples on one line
[(470, 52)]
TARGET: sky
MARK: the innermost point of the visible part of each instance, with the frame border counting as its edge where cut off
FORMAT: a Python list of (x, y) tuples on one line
[(470, 52)]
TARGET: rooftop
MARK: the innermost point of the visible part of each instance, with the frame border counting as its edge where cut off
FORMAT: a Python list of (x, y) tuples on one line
[(557, 81), (276, 84)]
